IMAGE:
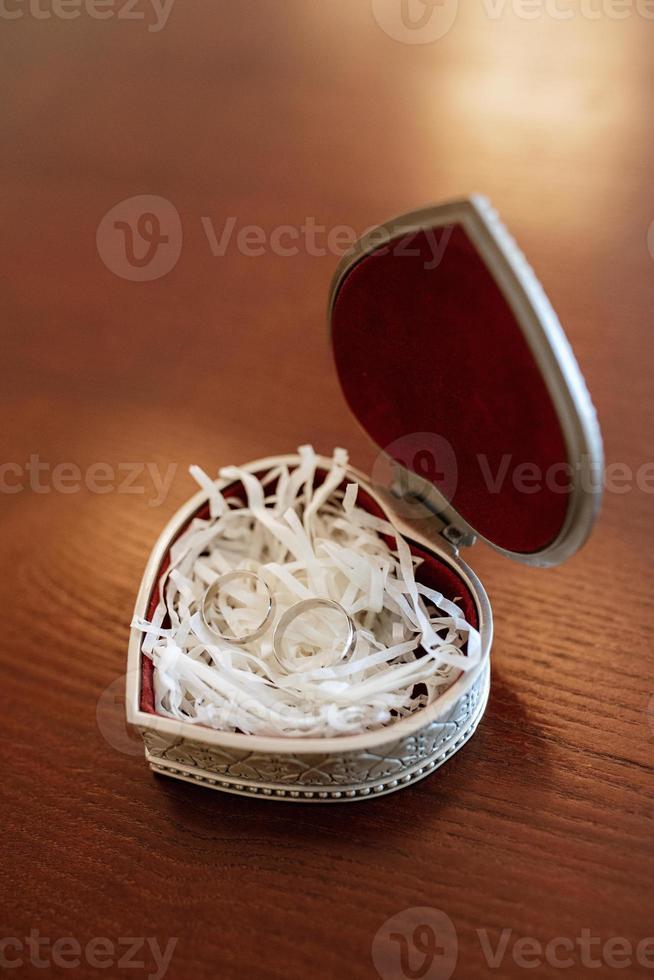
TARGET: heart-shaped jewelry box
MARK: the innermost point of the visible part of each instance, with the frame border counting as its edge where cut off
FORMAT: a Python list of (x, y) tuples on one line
[(454, 362)]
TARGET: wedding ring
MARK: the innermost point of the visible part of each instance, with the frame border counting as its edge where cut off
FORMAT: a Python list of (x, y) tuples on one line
[(290, 666), (212, 594)]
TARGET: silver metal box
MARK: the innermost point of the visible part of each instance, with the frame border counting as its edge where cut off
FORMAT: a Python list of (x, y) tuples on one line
[(355, 767)]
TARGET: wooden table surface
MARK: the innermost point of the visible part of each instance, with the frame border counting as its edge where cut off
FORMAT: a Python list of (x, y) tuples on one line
[(272, 114)]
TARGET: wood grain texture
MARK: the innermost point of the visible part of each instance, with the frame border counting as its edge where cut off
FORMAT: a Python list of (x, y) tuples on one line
[(273, 113)]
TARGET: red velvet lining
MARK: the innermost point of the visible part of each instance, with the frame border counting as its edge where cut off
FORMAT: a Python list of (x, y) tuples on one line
[(438, 350), (433, 573)]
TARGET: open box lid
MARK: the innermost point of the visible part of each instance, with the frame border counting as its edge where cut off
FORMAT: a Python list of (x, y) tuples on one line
[(454, 362)]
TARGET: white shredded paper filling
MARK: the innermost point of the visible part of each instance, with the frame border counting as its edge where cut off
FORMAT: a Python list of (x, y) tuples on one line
[(306, 538)]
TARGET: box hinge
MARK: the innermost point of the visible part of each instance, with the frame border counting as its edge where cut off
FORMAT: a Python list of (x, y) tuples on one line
[(456, 536)]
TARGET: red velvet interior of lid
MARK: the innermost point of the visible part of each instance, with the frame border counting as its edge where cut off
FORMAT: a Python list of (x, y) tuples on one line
[(433, 573), (424, 349)]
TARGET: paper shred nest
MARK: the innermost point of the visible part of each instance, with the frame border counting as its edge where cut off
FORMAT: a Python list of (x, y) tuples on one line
[(304, 534)]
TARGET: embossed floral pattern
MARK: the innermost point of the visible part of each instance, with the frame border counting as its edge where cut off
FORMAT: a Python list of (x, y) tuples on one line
[(330, 774)]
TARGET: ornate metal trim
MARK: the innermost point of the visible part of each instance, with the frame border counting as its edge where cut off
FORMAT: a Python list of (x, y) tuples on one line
[(322, 777)]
